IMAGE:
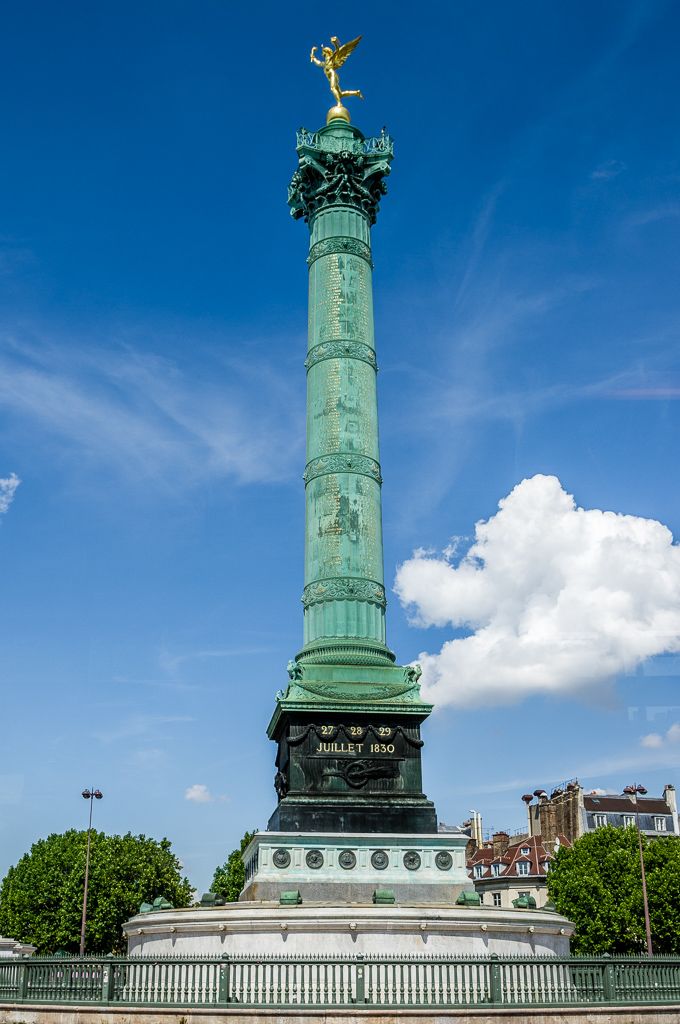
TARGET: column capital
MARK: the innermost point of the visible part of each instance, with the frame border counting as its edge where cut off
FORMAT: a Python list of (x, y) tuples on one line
[(339, 167)]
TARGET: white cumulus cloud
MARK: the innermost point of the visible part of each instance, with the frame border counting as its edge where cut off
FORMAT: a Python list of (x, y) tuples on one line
[(559, 600), (199, 794), (8, 486), (656, 741)]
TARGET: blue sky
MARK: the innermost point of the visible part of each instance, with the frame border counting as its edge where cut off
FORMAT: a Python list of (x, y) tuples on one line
[(152, 335)]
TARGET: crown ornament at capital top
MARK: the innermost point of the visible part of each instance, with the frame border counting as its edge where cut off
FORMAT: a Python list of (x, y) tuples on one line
[(344, 178)]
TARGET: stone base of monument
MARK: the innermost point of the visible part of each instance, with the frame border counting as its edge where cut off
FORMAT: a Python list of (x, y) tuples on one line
[(349, 867), (336, 877), (268, 929)]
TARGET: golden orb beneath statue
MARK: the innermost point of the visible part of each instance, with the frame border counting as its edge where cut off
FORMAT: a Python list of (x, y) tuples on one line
[(338, 111)]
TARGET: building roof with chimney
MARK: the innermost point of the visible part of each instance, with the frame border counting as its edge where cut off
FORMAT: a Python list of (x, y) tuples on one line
[(531, 851), (625, 804)]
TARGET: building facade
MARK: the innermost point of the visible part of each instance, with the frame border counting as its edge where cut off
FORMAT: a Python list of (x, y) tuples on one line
[(506, 870), (570, 811)]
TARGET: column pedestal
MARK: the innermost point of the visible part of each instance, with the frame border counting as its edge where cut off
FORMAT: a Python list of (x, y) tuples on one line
[(349, 751)]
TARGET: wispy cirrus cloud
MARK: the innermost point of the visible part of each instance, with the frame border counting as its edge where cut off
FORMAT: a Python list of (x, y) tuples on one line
[(608, 169), (139, 725), (8, 486), (171, 662), (141, 414)]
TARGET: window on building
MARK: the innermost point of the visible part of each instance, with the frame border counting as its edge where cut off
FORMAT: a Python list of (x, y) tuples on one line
[(545, 864), (525, 851), (522, 895), (481, 898), (522, 867), (600, 820), (479, 870), (496, 869), (628, 819), (496, 899), (660, 824)]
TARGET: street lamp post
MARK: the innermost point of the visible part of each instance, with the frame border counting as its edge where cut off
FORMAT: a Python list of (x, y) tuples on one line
[(91, 796), (634, 790)]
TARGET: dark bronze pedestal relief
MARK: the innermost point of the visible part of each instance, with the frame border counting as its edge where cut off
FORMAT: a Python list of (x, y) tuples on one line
[(344, 775)]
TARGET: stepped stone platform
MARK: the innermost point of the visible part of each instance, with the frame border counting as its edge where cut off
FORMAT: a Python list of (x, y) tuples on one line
[(266, 928)]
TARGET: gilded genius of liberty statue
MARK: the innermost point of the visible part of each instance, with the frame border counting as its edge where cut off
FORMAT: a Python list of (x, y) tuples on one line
[(332, 60)]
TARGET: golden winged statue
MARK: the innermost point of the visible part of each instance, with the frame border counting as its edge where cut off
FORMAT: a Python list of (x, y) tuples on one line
[(332, 60)]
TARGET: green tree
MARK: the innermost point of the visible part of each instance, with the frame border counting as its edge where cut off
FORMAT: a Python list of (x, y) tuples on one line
[(230, 878), (597, 884), (41, 899)]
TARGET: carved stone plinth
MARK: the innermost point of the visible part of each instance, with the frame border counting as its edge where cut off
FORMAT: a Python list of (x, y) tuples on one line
[(349, 867)]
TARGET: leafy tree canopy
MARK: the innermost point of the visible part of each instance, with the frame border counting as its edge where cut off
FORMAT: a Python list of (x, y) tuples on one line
[(41, 899), (597, 884), (230, 878)]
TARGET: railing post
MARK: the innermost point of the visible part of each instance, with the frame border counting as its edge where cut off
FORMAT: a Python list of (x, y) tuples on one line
[(360, 982), (108, 978), (495, 984), (608, 979), (23, 982), (223, 992)]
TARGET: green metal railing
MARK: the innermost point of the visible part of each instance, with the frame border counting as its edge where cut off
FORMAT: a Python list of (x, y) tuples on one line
[(335, 981)]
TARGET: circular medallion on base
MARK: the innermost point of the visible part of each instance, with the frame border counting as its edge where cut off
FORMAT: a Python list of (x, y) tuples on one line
[(338, 111), (281, 858), (380, 860), (347, 859), (314, 859)]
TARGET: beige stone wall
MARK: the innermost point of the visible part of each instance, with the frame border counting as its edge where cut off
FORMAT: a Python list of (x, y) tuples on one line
[(510, 890), (127, 1015)]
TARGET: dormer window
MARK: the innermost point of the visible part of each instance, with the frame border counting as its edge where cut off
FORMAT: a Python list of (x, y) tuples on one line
[(522, 867), (660, 824), (496, 870), (479, 870), (628, 819), (600, 820), (525, 851), (545, 864)]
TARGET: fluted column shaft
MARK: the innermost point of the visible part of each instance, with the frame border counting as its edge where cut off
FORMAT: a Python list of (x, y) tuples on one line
[(344, 595)]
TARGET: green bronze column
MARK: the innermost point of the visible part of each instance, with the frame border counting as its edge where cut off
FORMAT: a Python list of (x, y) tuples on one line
[(337, 189), (348, 723)]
